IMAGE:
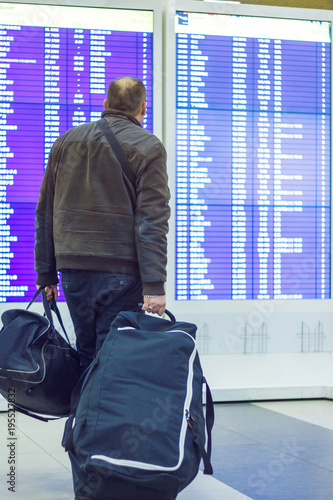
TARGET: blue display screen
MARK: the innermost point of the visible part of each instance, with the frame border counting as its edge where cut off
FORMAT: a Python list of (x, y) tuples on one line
[(253, 158), (55, 67)]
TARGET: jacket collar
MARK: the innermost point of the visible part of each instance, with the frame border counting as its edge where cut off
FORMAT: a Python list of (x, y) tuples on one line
[(120, 114)]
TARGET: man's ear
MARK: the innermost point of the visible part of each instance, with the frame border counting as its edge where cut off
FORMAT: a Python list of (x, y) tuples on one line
[(143, 109), (105, 104)]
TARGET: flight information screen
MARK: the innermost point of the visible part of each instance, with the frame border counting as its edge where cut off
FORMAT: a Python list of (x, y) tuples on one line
[(253, 158), (55, 67)]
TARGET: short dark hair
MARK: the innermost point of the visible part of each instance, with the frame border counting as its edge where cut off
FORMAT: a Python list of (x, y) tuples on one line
[(126, 94)]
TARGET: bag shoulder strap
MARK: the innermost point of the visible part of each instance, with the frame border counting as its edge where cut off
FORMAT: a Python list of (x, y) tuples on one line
[(34, 415), (206, 454), (210, 417), (116, 148)]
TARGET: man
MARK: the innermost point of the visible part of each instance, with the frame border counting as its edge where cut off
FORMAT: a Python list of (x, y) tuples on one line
[(109, 254)]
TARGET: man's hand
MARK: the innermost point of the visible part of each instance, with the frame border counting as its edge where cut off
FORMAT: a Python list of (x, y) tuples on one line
[(155, 304), (51, 291)]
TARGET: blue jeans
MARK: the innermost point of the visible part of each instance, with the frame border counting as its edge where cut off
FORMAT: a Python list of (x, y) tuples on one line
[(94, 298)]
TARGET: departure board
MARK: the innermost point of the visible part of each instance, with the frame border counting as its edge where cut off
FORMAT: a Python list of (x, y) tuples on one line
[(253, 157), (55, 66)]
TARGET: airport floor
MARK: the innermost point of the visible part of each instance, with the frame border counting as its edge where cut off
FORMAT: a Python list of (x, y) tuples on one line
[(261, 451)]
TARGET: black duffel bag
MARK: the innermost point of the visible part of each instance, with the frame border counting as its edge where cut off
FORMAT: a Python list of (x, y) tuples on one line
[(38, 367)]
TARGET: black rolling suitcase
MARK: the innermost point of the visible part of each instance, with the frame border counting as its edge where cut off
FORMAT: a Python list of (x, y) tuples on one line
[(139, 430)]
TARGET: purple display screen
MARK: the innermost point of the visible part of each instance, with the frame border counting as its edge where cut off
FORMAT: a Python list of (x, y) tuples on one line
[(253, 163), (51, 79)]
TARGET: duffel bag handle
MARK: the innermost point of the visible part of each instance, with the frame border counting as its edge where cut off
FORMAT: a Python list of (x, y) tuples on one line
[(49, 306), (167, 312), (38, 292), (52, 304), (171, 316)]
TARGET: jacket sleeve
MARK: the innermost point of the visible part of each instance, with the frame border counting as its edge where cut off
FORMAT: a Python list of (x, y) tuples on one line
[(45, 262), (151, 220)]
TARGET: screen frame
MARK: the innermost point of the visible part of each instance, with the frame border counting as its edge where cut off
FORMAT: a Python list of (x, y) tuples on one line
[(228, 306)]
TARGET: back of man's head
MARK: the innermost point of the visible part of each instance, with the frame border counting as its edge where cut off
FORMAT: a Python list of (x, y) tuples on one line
[(126, 94)]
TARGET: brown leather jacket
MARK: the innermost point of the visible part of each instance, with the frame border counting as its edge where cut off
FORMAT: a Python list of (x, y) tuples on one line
[(84, 216)]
